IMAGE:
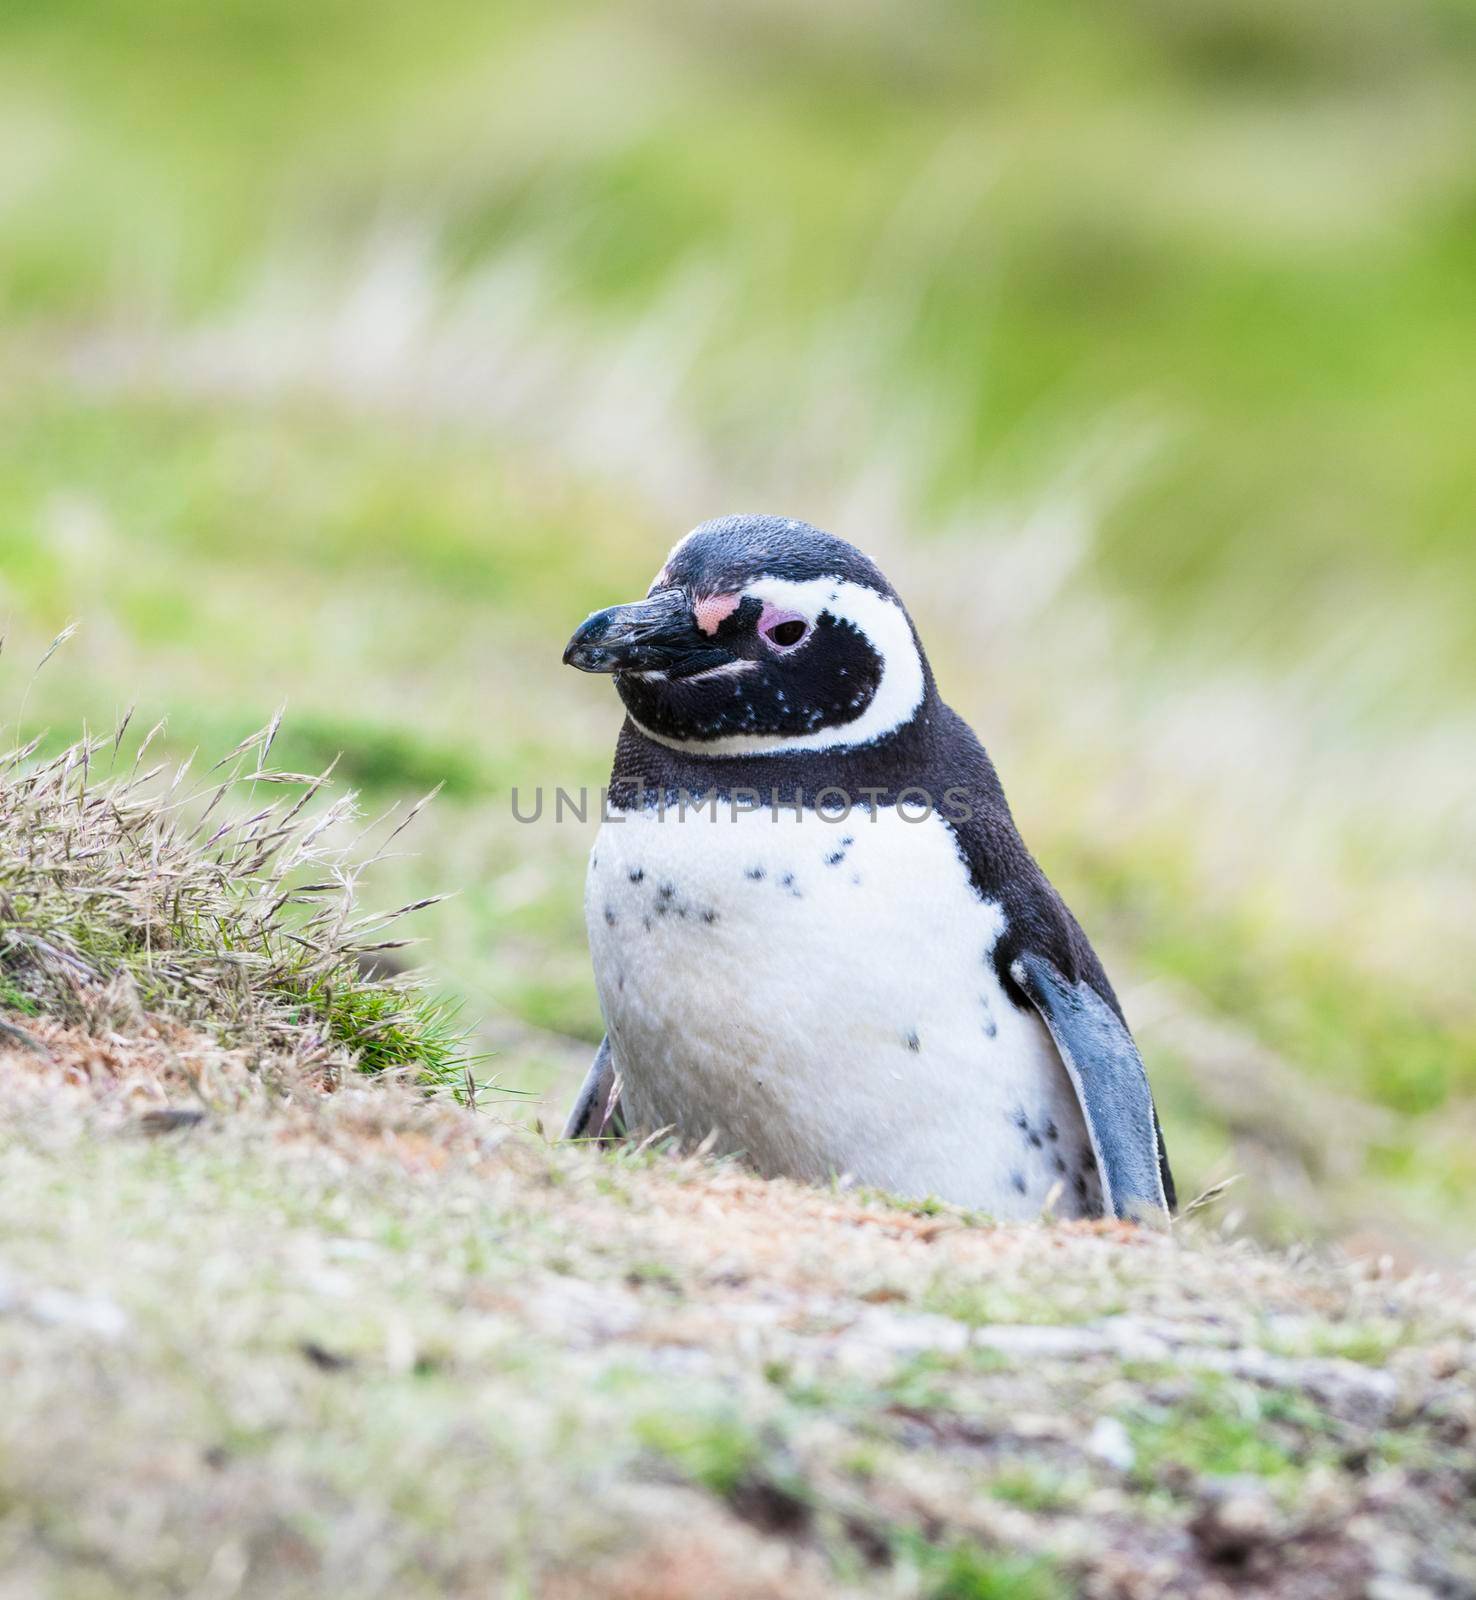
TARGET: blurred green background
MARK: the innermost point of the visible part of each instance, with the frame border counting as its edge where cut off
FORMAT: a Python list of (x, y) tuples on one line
[(353, 352)]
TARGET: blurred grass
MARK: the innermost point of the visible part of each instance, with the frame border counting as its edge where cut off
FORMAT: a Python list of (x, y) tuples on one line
[(352, 353), (1263, 227)]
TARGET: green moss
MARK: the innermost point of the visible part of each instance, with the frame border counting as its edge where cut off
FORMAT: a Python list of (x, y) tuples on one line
[(14, 998)]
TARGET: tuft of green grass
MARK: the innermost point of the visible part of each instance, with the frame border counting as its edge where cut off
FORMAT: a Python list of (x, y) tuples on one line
[(1035, 1488), (125, 889), (982, 1304), (714, 1449), (925, 1382), (1369, 1343), (965, 1571), (1228, 1429)]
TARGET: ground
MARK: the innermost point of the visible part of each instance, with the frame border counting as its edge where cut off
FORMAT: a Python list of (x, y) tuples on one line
[(261, 1339)]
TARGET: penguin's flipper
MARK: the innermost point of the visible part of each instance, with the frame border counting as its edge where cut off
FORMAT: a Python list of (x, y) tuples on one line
[(1107, 1074), (597, 1114)]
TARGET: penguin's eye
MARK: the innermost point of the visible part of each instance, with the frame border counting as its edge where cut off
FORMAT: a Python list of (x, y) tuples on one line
[(782, 629)]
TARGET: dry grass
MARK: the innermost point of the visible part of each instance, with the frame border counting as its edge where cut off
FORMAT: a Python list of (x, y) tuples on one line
[(125, 892)]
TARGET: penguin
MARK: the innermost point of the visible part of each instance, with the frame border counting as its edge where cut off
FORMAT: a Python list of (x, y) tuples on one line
[(818, 938)]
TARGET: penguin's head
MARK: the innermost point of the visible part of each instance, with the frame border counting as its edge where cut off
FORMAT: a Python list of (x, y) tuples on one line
[(761, 635)]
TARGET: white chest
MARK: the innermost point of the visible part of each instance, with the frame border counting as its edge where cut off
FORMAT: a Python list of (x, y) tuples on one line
[(822, 996)]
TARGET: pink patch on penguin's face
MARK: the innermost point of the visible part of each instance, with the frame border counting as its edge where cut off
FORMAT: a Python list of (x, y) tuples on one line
[(714, 610)]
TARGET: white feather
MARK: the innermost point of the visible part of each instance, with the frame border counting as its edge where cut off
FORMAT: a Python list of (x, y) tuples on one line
[(827, 1017)]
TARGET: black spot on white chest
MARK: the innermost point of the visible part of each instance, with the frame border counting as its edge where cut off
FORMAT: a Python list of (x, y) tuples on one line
[(824, 996)]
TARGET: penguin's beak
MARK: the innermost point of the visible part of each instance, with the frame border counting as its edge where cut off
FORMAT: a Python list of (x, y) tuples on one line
[(657, 634)]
